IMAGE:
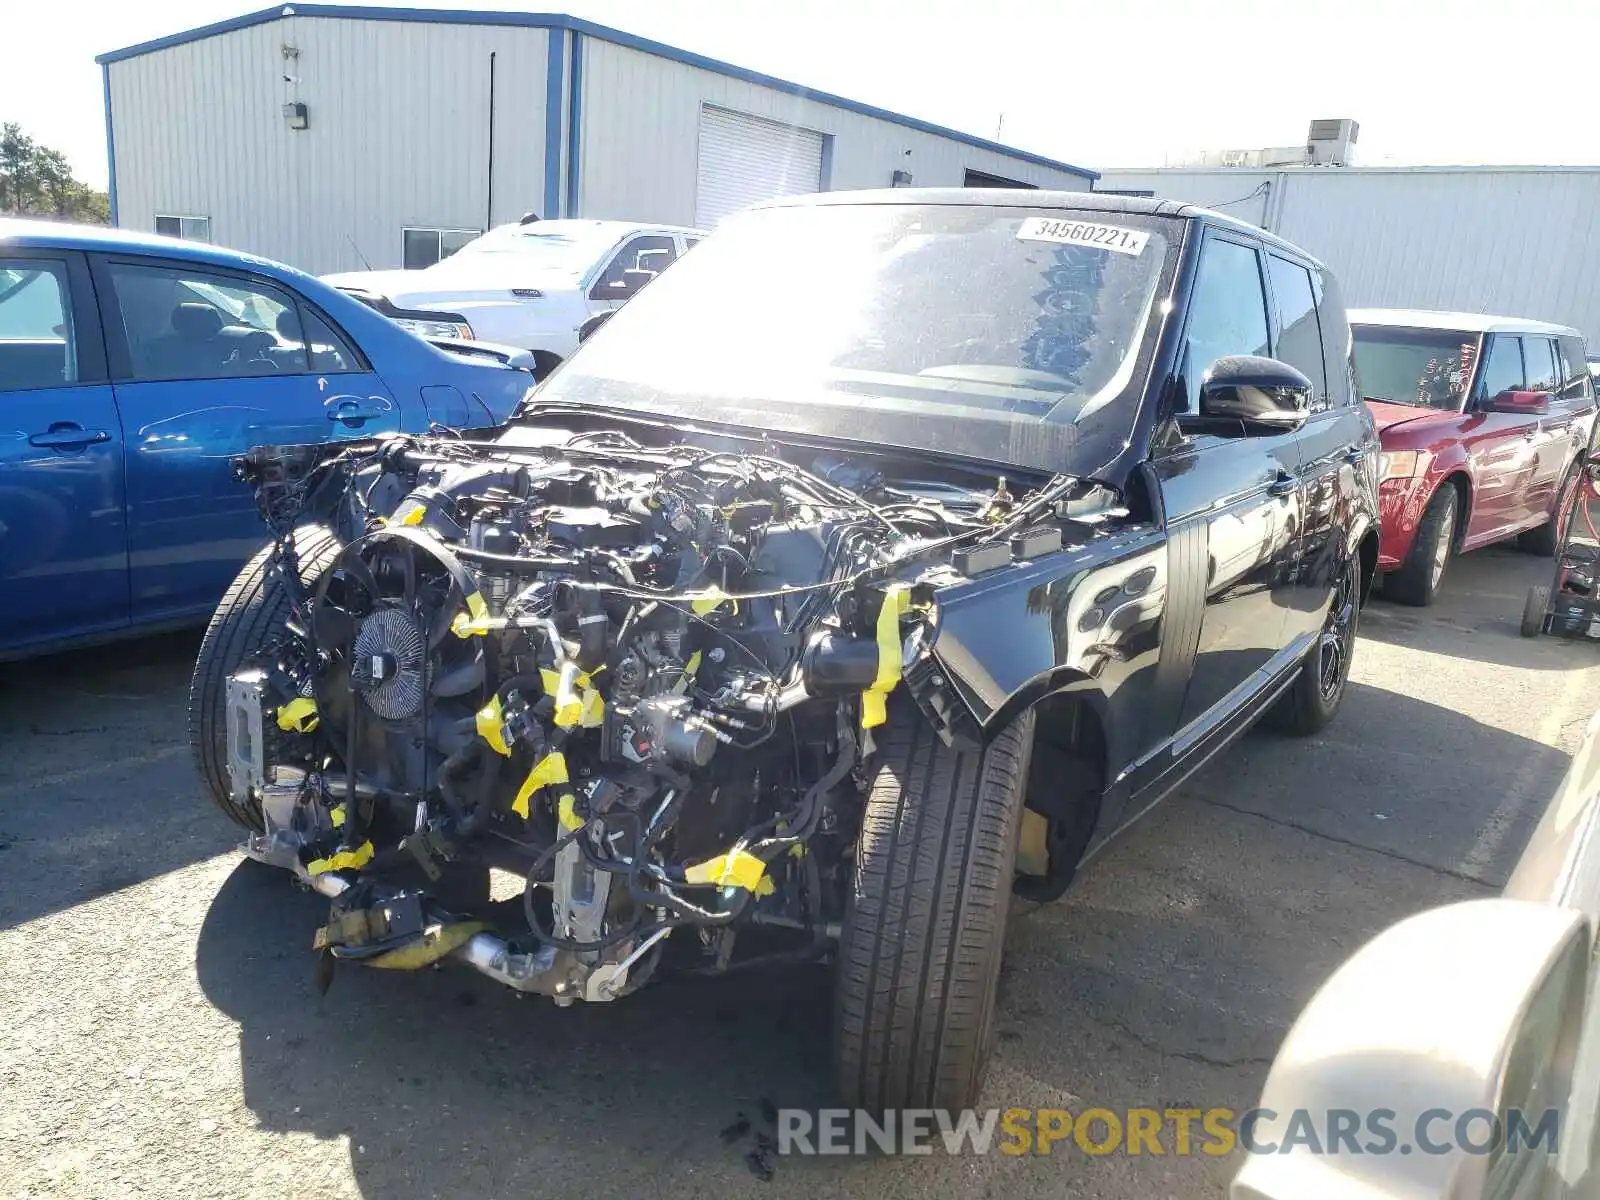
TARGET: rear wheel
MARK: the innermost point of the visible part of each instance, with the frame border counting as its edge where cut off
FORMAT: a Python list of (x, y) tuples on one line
[(1546, 539), (1314, 697), (919, 956), (1418, 579), (251, 610)]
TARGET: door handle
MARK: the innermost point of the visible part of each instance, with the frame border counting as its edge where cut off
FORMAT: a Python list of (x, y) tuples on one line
[(69, 437), (350, 410), (1283, 484)]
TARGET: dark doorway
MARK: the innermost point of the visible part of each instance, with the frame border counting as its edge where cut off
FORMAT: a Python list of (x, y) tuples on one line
[(980, 179)]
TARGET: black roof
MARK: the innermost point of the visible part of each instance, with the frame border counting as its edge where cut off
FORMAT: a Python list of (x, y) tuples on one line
[(1097, 202)]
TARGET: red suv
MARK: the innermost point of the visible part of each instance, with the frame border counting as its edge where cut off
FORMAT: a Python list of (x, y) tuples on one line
[(1482, 419)]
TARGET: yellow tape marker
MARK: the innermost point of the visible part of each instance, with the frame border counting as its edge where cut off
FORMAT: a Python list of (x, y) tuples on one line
[(593, 714), (337, 816), (693, 665), (345, 860), (474, 620), (566, 813), (874, 709), (710, 600), (552, 768), (491, 723), (298, 716), (740, 869), (413, 515)]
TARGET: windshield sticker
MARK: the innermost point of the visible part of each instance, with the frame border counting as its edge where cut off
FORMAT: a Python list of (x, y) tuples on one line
[(1083, 233)]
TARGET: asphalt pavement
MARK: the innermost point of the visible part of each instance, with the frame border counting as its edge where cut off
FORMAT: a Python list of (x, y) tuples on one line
[(160, 1033)]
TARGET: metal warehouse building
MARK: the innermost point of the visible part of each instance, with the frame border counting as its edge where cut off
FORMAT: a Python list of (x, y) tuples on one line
[(1515, 241), (335, 137)]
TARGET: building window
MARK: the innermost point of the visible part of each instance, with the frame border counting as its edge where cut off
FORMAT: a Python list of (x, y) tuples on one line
[(193, 229), (982, 179), (423, 247)]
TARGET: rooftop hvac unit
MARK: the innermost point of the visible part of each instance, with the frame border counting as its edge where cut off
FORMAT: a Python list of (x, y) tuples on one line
[(1331, 143)]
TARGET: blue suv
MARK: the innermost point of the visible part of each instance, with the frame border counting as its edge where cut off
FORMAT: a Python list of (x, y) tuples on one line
[(132, 369)]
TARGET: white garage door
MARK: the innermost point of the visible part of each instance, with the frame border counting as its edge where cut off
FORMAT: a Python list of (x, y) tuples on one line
[(746, 159)]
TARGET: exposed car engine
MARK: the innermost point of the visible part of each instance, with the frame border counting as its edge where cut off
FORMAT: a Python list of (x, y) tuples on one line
[(642, 679)]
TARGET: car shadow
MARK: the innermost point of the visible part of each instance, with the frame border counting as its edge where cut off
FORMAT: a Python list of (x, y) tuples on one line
[(1168, 977), (97, 791), (1478, 615)]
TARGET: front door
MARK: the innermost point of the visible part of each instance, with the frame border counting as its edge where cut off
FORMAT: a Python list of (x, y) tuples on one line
[(63, 532), (1503, 448), (1232, 501), (638, 261), (207, 364)]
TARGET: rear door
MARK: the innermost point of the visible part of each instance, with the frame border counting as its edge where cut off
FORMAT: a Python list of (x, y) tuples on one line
[(207, 363), (1501, 447), (1555, 428), (63, 530)]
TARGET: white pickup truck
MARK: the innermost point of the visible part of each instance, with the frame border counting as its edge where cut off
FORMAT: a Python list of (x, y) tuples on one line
[(532, 284)]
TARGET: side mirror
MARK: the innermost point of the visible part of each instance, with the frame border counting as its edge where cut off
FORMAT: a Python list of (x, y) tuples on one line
[(1267, 395), (1518, 403)]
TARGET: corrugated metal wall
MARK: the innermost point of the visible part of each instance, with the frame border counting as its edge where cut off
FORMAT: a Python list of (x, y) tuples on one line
[(398, 135), (1519, 241), (641, 122)]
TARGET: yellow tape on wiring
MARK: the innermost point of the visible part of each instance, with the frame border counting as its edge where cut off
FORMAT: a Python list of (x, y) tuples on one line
[(874, 706), (345, 860), (741, 869), (337, 816), (298, 716), (491, 724), (710, 600), (474, 621), (567, 813), (436, 942), (552, 768), (413, 515)]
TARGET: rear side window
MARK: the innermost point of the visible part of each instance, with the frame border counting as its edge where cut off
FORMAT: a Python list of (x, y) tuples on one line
[(1227, 312), (192, 324), (1539, 360), (1576, 381), (1502, 370), (36, 343), (1299, 333)]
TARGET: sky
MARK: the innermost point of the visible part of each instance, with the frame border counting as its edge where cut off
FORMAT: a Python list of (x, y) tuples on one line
[(1114, 84)]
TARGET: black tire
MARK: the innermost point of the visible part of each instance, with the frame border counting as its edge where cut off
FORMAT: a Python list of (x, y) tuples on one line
[(1418, 579), (1533, 610), (253, 606), (1313, 699), (919, 955), (1544, 540)]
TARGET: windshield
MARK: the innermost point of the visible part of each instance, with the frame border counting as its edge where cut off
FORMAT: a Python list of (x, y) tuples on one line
[(557, 252), (1429, 367), (1006, 334)]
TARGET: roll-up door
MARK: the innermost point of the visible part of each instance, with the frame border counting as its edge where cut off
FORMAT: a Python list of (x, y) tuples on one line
[(746, 159)]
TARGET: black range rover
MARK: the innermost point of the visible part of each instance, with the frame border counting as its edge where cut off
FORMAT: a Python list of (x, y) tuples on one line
[(881, 559)]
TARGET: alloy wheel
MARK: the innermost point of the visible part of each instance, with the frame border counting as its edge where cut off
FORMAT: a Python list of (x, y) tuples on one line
[(1338, 632)]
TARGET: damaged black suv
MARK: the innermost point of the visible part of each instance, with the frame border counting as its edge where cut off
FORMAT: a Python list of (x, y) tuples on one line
[(877, 562)]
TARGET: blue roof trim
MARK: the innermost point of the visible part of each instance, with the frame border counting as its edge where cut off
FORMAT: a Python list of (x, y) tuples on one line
[(555, 58), (604, 33), (575, 130), (111, 146)]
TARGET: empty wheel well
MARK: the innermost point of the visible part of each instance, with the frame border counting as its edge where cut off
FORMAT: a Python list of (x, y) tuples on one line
[(544, 361), (1066, 783), (1369, 563)]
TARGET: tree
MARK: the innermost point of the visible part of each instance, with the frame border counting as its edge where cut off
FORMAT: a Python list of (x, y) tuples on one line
[(38, 181)]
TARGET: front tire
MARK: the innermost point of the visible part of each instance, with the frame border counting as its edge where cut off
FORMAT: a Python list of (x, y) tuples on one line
[(1314, 697), (250, 611), (1419, 577), (919, 956)]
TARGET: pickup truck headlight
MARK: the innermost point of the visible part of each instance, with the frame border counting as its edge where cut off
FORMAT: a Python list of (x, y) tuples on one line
[(1400, 464), (436, 329)]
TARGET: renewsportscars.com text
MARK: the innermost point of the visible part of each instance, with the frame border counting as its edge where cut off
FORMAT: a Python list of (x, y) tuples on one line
[(1178, 1132)]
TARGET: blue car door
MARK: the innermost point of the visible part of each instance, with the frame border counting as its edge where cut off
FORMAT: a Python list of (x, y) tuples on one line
[(63, 533), (208, 362)]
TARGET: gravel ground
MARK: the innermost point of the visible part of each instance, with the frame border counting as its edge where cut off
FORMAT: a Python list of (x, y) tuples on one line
[(161, 1034)]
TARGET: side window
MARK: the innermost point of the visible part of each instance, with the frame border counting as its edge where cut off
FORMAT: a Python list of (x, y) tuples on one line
[(639, 261), (1576, 382), (1541, 364), (189, 324), (329, 352), (1227, 312), (37, 349), (1299, 332), (1502, 370)]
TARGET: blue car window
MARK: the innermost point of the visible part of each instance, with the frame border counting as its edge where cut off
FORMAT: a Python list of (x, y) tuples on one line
[(183, 323), (36, 346), (330, 353)]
